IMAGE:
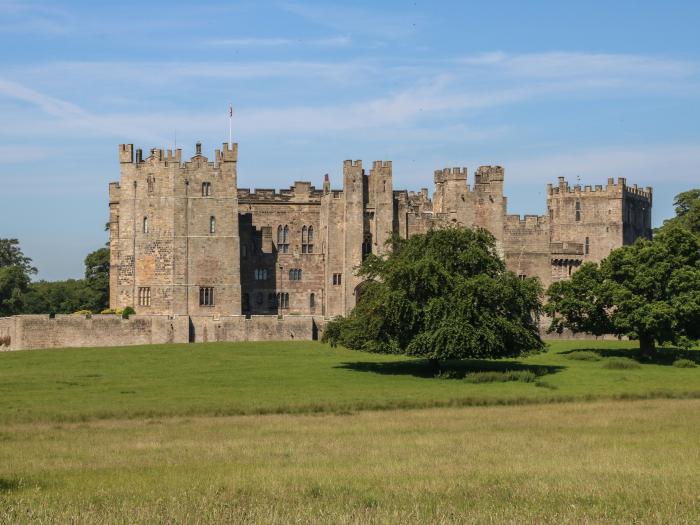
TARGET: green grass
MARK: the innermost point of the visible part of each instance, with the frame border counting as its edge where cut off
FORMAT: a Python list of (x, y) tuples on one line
[(601, 462), (63, 385), (124, 435)]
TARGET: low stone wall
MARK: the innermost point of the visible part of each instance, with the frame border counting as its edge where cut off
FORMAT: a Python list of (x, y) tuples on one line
[(7, 332), (41, 331), (24, 332), (256, 328)]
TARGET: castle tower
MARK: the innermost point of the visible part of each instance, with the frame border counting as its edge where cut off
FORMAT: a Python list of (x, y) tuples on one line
[(596, 220), (354, 203), (380, 208), (174, 233)]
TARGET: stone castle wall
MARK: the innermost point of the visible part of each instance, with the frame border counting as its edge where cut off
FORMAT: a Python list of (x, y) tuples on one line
[(26, 332)]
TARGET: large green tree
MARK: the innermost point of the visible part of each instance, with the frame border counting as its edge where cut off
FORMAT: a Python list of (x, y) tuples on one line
[(15, 271), (687, 207), (442, 295), (648, 291)]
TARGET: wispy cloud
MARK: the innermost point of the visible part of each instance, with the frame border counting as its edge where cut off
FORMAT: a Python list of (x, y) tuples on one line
[(34, 18), (335, 41), (576, 65)]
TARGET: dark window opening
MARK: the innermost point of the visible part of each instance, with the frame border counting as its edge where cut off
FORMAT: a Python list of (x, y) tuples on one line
[(206, 296)]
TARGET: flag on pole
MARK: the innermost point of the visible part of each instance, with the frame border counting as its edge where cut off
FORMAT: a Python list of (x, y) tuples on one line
[(230, 124)]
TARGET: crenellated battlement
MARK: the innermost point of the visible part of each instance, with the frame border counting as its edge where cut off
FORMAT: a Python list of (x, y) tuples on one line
[(487, 174), (300, 189), (378, 164), (611, 188), (352, 164), (527, 222), (127, 155), (446, 174)]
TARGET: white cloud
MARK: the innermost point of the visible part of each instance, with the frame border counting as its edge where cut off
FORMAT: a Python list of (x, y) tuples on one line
[(576, 65)]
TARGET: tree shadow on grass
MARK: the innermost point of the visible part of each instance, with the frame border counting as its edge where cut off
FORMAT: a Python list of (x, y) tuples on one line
[(10, 485), (456, 369), (664, 356)]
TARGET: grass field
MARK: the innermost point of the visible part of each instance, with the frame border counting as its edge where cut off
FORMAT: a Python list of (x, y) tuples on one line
[(125, 435), (612, 462), (296, 377)]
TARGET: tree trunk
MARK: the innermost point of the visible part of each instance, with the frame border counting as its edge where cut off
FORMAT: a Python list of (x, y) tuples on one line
[(435, 366), (647, 347)]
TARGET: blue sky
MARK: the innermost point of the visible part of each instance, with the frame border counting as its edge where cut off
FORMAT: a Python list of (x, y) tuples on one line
[(587, 90)]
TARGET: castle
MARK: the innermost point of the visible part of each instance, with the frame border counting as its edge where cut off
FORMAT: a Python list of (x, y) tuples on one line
[(186, 241)]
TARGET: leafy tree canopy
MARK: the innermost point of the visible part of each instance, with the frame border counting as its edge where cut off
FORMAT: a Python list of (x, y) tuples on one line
[(648, 291), (11, 255), (687, 205), (442, 295), (15, 269)]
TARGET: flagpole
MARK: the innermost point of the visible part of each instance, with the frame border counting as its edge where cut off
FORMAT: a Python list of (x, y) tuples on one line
[(230, 125)]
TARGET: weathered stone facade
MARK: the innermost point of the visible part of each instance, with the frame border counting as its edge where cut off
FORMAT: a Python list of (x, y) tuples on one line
[(186, 241)]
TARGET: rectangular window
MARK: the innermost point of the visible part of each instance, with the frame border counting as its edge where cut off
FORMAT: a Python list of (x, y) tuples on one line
[(588, 245), (206, 189), (206, 296), (144, 296), (578, 211), (337, 279), (522, 276)]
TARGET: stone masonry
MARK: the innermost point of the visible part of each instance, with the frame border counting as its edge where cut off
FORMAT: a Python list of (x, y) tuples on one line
[(186, 241)]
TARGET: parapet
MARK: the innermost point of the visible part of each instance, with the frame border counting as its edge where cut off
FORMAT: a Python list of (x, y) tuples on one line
[(126, 153), (528, 222), (446, 174), (226, 154), (486, 174), (301, 192), (618, 188), (352, 164)]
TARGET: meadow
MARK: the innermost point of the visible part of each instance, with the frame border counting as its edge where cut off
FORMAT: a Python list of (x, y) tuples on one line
[(216, 379), (304, 433)]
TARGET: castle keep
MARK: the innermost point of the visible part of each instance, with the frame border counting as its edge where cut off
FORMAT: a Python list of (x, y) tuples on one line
[(186, 241)]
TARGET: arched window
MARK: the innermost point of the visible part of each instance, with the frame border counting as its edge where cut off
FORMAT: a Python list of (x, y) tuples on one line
[(212, 224), (206, 189), (295, 274), (312, 301), (283, 239), (145, 225), (307, 239), (283, 300), (366, 245)]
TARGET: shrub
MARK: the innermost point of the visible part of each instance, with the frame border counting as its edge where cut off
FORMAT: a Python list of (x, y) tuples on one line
[(525, 376), (684, 363), (620, 363), (83, 312), (127, 312), (449, 374), (5, 341), (583, 355)]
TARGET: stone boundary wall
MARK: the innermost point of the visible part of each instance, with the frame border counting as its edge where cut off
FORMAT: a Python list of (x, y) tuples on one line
[(25, 332), (256, 328)]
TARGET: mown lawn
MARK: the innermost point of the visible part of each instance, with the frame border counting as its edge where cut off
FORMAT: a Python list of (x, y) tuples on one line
[(300, 377), (597, 462)]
